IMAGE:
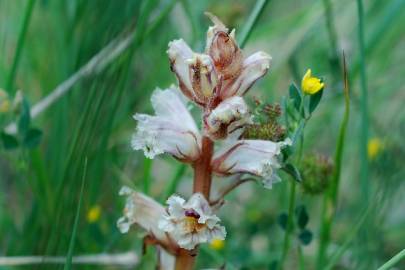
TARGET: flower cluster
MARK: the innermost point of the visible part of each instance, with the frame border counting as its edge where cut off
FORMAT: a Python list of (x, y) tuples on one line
[(216, 81)]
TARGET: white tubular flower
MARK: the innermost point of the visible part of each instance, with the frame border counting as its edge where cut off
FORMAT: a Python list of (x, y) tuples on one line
[(191, 223), (195, 72), (229, 116), (256, 157), (143, 211), (254, 67), (172, 130)]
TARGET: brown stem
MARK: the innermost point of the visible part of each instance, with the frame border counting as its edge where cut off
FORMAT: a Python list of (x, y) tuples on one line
[(203, 170), (184, 260)]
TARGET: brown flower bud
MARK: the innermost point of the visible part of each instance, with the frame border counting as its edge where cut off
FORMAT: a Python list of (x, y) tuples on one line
[(223, 49)]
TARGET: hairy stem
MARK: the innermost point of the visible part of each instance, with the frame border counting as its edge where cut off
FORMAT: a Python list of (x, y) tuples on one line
[(203, 170), (184, 260)]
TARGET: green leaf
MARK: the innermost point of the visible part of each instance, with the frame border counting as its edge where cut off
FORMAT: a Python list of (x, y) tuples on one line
[(305, 237), (32, 138), (292, 171), (282, 220), (287, 152), (295, 95), (314, 101), (9, 142), (302, 216), (25, 118)]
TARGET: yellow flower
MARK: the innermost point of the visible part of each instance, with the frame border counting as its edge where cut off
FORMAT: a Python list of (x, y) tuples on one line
[(94, 213), (5, 104), (217, 244), (374, 147), (311, 85)]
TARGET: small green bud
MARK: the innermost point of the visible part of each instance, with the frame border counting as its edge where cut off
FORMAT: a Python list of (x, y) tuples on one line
[(316, 171)]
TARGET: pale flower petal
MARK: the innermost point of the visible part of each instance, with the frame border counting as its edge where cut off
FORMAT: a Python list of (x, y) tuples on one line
[(203, 77), (195, 72), (166, 260), (254, 67), (143, 211), (256, 157), (193, 224), (179, 52), (229, 116), (172, 130)]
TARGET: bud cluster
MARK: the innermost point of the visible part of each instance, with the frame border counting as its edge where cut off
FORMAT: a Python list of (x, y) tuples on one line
[(316, 170), (266, 126)]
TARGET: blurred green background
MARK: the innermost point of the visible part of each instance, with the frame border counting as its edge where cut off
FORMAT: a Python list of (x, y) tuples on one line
[(40, 187)]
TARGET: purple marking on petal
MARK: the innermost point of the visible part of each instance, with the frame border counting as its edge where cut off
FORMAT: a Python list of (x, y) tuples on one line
[(191, 213)]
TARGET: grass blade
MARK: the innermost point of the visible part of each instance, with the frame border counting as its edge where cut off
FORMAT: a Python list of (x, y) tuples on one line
[(68, 264), (251, 21), (20, 45), (363, 107), (393, 261), (339, 253), (330, 198)]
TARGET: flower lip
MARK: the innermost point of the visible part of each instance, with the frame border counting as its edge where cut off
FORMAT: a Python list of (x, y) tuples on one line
[(191, 222), (255, 157), (172, 130)]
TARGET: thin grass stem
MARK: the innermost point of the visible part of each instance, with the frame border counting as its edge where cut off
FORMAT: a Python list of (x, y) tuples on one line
[(330, 197), (69, 256), (251, 21), (393, 261), (364, 108), (20, 45)]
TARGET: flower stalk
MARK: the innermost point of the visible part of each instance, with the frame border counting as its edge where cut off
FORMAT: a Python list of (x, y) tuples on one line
[(203, 169), (185, 260)]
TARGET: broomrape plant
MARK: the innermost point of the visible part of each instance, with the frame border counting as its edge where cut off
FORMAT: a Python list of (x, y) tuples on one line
[(216, 80)]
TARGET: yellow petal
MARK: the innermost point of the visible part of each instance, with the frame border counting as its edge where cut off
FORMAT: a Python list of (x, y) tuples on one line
[(374, 147), (93, 215), (311, 85), (217, 244)]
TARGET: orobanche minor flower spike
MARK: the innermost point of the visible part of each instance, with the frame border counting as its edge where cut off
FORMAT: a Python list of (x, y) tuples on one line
[(216, 80)]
